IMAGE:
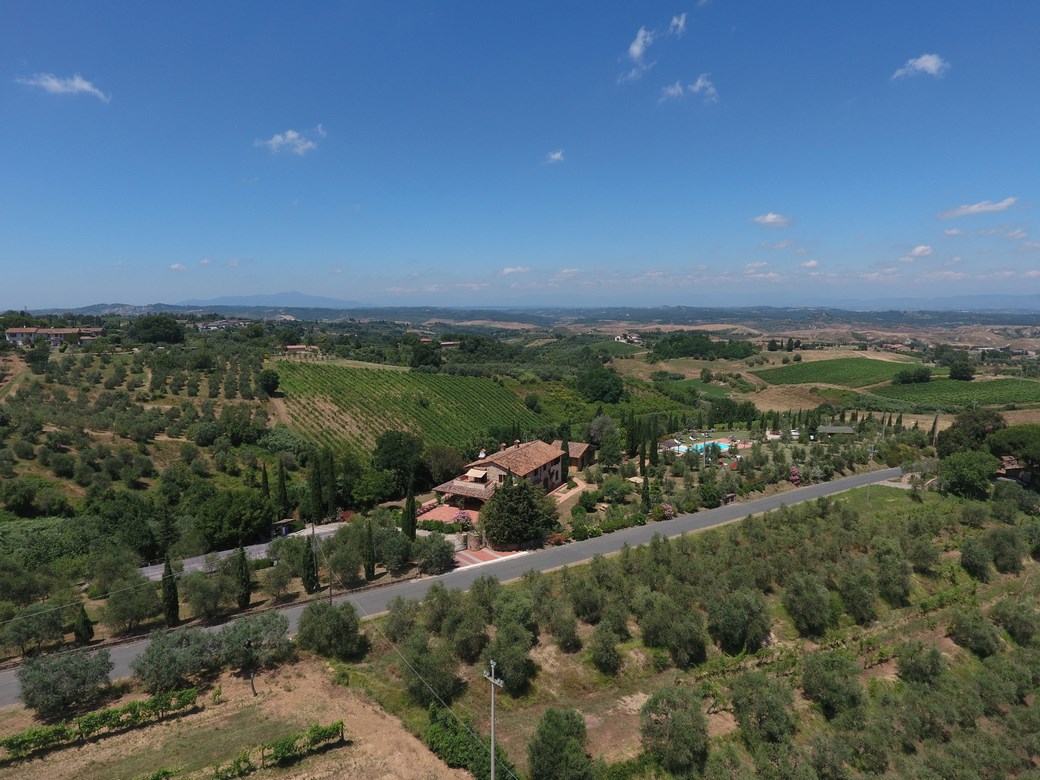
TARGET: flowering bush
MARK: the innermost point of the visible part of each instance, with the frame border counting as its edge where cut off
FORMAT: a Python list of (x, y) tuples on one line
[(463, 520)]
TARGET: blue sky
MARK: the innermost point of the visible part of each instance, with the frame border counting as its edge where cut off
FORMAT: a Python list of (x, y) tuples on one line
[(449, 153)]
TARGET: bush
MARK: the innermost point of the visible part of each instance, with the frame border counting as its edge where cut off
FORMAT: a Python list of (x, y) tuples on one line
[(829, 679), (739, 621), (920, 663), (429, 672), (1007, 547), (564, 627), (1020, 619), (433, 554), (673, 730), (207, 596), (131, 601), (331, 631), (859, 589), (976, 559), (173, 659), (557, 748), (603, 650), (763, 706), (255, 641), (402, 616), (971, 630), (470, 637), (54, 684), (807, 601), (509, 650)]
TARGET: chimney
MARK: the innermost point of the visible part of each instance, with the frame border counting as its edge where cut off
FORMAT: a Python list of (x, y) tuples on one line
[(516, 443), (501, 446), (483, 454)]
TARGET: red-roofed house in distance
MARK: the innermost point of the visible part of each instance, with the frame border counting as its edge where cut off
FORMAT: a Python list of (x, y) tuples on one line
[(535, 461)]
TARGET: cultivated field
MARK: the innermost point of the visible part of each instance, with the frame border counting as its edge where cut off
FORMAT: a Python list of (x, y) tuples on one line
[(343, 407), (949, 392), (846, 372)]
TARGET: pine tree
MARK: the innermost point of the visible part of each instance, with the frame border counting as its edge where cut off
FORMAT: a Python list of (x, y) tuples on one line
[(170, 605), (265, 485), (282, 497), (309, 576), (82, 628), (368, 552), (408, 515), (243, 579)]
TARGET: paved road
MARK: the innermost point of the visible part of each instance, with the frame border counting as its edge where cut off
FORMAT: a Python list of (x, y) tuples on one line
[(374, 601)]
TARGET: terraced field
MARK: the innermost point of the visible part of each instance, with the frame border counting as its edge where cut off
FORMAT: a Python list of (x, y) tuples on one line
[(347, 408), (948, 393), (846, 372)]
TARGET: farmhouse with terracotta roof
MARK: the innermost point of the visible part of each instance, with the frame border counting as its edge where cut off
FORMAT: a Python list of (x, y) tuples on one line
[(535, 461), (582, 455)]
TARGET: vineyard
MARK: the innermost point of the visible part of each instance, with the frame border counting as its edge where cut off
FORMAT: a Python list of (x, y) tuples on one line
[(949, 393), (846, 372), (347, 408)]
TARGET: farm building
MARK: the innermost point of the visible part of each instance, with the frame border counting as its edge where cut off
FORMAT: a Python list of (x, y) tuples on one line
[(582, 455), (534, 461)]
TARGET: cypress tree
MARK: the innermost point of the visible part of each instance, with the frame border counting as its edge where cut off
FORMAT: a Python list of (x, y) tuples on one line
[(282, 497), (934, 433), (243, 580), (408, 516), (265, 485), (167, 528), (646, 494), (368, 551), (565, 460), (328, 483), (82, 627), (170, 605), (309, 575), (317, 493), (642, 459)]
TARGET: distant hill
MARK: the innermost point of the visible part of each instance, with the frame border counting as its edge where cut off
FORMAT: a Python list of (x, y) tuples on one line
[(290, 299), (1005, 303)]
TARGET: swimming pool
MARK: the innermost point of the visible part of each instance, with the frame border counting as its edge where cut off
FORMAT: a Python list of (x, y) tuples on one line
[(723, 446)]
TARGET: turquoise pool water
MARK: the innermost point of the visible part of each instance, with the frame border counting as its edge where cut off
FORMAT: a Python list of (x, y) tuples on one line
[(723, 446)]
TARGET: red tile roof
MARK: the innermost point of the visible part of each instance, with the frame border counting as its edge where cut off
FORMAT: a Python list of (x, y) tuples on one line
[(521, 459)]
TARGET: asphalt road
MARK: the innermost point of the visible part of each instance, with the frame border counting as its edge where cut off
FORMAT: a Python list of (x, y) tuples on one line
[(372, 602)]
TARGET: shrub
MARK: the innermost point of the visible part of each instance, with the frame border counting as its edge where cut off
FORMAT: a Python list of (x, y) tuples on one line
[(807, 601), (557, 748), (401, 618), (131, 601), (1007, 547), (858, 587), (207, 596), (971, 630), (470, 637), (54, 684), (603, 650), (1020, 619), (673, 730), (829, 679), (564, 627), (920, 663), (331, 631), (172, 659), (763, 706), (255, 641), (739, 621), (433, 554), (429, 672), (509, 650), (976, 559)]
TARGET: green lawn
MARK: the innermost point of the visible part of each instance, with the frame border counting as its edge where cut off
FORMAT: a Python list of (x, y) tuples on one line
[(846, 372), (616, 348), (712, 390)]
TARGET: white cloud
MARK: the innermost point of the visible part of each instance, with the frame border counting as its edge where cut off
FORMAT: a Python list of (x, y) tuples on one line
[(1032, 274), (515, 269), (704, 86), (204, 261), (813, 263), (672, 91), (77, 85), (929, 64), (954, 260), (982, 207), (678, 25), (918, 251), (944, 276), (777, 245), (1016, 234), (1031, 244), (758, 264), (291, 141), (997, 275), (772, 219), (637, 49), (178, 267), (556, 157), (954, 232)]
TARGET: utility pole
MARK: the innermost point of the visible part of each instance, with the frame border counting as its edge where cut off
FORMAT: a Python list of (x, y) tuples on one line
[(495, 683)]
